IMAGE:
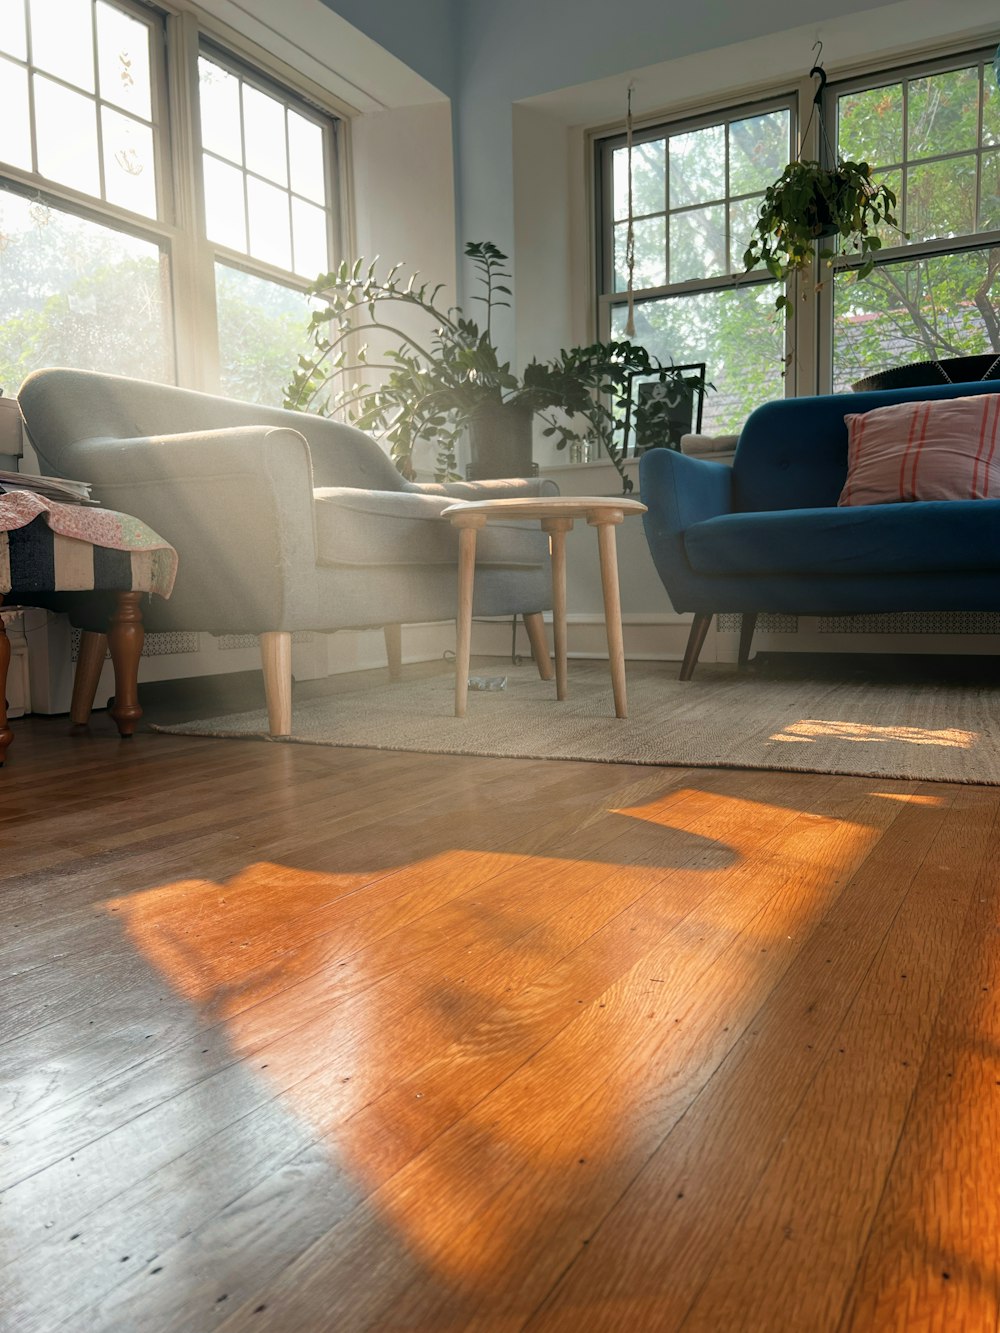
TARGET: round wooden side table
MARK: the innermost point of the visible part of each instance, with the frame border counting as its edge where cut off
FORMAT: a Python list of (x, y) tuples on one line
[(556, 514)]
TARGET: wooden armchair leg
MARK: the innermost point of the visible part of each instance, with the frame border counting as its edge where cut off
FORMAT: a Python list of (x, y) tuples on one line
[(93, 650), (394, 650), (696, 640), (748, 624), (534, 623), (276, 661), (125, 640)]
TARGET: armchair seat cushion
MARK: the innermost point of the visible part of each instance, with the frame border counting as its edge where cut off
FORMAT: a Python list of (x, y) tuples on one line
[(919, 537), (390, 528)]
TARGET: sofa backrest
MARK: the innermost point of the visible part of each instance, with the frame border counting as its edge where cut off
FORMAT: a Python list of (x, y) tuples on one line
[(64, 407), (792, 454)]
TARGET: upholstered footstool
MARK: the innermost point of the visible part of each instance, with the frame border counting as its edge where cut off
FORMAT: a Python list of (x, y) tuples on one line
[(95, 565)]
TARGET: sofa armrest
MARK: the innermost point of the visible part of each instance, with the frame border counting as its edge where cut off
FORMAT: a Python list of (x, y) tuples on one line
[(237, 504), (513, 488), (681, 491)]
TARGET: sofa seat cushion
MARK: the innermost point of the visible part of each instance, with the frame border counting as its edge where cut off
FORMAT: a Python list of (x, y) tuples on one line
[(361, 527), (934, 536)]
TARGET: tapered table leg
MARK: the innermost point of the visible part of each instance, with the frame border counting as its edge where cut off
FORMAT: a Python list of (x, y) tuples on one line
[(557, 529), (606, 522), (6, 735), (125, 640), (93, 650), (468, 524)]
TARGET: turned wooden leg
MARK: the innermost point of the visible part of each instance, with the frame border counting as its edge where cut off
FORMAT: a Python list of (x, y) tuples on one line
[(557, 529), (125, 639), (696, 639), (276, 662), (394, 649), (6, 735), (607, 546), (93, 650), (748, 623), (467, 527), (534, 623)]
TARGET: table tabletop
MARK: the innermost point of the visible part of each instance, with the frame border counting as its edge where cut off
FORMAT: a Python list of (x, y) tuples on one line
[(547, 506)]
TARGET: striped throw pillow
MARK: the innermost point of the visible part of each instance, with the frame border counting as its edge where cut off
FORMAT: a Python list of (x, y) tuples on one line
[(948, 449)]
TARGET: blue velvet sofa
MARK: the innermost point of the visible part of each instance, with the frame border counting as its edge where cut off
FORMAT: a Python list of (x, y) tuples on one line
[(766, 535)]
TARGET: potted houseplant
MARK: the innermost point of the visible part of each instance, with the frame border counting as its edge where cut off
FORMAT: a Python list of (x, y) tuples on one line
[(809, 202), (449, 378)]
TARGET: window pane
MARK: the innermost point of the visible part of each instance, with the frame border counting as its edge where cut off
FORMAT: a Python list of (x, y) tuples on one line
[(941, 198), (742, 220), (225, 216), (943, 115), (650, 237), (649, 179), (870, 125), (73, 293), (62, 40), (15, 123), (989, 193), (123, 60), (698, 166), (264, 135), (698, 244), (219, 102), (129, 179), (305, 147), (991, 109), (733, 331), (309, 235), (916, 310), (758, 151), (270, 236), (66, 135), (13, 35), (262, 332)]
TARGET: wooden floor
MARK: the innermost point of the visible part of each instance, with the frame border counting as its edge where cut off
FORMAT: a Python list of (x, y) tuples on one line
[(312, 1039)]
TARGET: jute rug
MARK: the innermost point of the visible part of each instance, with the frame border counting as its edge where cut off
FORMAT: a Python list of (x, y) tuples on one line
[(724, 718)]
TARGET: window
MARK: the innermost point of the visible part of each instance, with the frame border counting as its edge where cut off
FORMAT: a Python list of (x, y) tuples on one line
[(932, 132), (102, 265), (695, 189)]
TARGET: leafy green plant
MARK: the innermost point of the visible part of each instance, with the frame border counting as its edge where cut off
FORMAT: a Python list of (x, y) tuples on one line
[(809, 201), (433, 384)]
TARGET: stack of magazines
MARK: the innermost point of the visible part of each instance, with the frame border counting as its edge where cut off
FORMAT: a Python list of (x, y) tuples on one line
[(63, 489)]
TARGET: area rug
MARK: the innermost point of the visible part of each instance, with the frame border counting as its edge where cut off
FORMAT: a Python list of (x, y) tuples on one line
[(724, 718)]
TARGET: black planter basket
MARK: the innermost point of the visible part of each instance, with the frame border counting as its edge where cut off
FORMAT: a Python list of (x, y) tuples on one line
[(952, 370)]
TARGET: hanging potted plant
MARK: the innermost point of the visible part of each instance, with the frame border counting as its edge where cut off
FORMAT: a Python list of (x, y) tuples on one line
[(809, 202)]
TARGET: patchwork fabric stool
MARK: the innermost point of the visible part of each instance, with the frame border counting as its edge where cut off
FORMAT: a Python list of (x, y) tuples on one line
[(94, 565)]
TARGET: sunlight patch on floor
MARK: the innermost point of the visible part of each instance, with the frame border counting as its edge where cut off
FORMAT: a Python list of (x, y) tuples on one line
[(812, 729)]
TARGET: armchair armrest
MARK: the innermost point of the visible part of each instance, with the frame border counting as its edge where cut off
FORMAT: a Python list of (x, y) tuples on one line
[(680, 491), (237, 504), (513, 488)]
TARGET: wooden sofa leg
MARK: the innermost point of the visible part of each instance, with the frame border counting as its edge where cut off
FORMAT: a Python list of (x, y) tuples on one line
[(748, 624), (93, 650), (276, 662), (696, 639), (394, 649), (125, 640), (534, 623)]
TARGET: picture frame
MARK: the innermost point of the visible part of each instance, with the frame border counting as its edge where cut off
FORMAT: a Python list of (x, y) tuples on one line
[(664, 406)]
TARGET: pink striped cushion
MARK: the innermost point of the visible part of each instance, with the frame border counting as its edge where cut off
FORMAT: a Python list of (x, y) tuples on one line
[(948, 449)]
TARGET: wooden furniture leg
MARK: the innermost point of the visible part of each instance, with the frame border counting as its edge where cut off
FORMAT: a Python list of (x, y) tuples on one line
[(696, 639), (93, 650), (394, 650), (534, 623), (276, 663), (607, 545), (468, 526), (748, 623), (125, 639), (6, 735), (557, 529)]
